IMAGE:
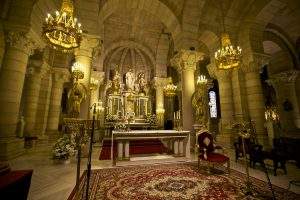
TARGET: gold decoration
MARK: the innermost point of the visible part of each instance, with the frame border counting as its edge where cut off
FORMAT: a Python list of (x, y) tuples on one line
[(271, 113), (62, 30), (77, 71), (94, 84), (227, 57), (170, 89), (200, 101)]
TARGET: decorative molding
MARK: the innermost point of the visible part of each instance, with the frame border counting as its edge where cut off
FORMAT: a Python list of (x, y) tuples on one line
[(20, 40), (187, 60), (60, 74), (159, 82), (259, 60)]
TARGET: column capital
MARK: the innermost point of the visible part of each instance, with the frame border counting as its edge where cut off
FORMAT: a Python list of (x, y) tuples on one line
[(88, 46), (98, 76), (256, 64), (186, 59), (20, 40), (160, 82), (289, 76), (60, 74), (219, 74), (37, 68)]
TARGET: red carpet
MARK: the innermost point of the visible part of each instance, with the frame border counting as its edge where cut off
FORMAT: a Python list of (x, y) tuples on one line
[(173, 181), (135, 147)]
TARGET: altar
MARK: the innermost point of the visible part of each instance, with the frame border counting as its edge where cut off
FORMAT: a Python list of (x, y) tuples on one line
[(179, 141)]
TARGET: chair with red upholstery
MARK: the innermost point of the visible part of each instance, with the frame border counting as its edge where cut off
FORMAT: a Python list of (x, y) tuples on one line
[(208, 154)]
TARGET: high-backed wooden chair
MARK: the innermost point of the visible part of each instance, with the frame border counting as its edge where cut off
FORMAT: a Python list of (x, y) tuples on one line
[(207, 153)]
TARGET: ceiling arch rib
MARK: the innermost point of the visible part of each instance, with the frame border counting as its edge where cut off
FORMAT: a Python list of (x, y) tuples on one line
[(154, 7)]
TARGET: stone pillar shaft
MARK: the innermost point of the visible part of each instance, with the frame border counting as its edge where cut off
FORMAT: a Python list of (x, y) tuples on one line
[(18, 48), (60, 76), (159, 87), (31, 97)]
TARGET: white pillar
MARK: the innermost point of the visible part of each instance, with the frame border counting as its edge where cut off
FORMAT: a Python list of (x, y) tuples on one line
[(160, 110), (255, 99), (181, 147), (84, 56), (35, 71), (59, 77), (127, 149), (186, 62), (18, 48), (175, 147), (120, 149)]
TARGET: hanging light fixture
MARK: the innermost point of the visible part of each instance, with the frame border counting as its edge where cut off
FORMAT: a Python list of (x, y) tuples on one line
[(170, 89), (62, 30), (202, 79), (228, 56), (77, 71)]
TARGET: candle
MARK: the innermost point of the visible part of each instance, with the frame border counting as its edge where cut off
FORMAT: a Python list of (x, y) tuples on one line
[(174, 115)]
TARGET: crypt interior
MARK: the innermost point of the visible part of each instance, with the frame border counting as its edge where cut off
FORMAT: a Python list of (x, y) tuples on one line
[(149, 99)]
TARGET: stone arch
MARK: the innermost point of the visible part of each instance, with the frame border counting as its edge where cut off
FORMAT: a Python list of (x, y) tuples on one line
[(255, 20), (155, 7), (128, 43), (210, 42)]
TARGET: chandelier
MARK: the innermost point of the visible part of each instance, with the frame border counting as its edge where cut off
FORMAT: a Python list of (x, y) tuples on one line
[(201, 79), (93, 84), (77, 71), (170, 89), (228, 56), (62, 30)]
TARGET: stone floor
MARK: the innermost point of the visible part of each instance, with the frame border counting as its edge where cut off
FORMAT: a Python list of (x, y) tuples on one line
[(53, 181)]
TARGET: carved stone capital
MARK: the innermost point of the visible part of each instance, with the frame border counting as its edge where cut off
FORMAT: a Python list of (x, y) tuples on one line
[(218, 73), (60, 75), (20, 40), (37, 68), (289, 76), (98, 76), (186, 59), (160, 83), (258, 61), (89, 46)]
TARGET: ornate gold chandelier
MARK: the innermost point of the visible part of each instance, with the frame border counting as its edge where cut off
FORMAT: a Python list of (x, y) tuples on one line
[(170, 89), (77, 71), (271, 113), (228, 56), (93, 84), (202, 79), (62, 30)]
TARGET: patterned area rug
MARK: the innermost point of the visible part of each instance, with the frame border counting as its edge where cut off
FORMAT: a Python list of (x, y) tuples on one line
[(172, 181)]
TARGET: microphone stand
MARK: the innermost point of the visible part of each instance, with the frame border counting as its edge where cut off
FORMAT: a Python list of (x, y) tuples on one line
[(88, 175)]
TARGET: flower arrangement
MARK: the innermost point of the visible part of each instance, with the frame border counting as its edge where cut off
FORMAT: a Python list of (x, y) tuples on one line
[(111, 118), (63, 148), (120, 126), (151, 119)]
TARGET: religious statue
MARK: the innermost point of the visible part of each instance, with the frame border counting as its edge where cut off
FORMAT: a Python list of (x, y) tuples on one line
[(200, 105), (116, 82), (142, 83), (129, 80), (76, 95)]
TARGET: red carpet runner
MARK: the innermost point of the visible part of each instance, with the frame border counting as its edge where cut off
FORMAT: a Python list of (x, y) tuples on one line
[(135, 147)]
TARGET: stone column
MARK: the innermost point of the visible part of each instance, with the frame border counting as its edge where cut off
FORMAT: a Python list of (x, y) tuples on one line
[(18, 48), (35, 71), (186, 62), (226, 104), (99, 76), (284, 84), (84, 56), (255, 99), (159, 87), (59, 77)]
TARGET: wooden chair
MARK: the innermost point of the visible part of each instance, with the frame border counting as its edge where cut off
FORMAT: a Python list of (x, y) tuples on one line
[(207, 153)]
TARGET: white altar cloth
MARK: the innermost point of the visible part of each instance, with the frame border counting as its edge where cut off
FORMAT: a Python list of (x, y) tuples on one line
[(180, 139)]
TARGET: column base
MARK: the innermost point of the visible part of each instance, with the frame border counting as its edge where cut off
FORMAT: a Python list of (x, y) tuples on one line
[(11, 148)]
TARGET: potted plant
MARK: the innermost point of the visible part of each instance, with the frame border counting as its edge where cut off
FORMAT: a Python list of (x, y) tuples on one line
[(63, 149)]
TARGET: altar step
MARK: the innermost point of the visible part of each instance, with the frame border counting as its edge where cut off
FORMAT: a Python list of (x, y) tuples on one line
[(151, 159)]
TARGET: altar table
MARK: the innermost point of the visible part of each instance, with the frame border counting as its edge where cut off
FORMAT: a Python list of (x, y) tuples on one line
[(179, 141)]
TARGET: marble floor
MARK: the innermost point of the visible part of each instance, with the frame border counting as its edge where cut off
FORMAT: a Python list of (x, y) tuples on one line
[(53, 181)]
